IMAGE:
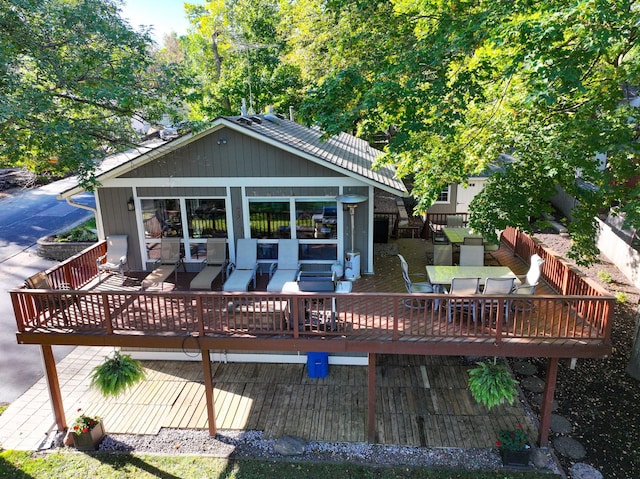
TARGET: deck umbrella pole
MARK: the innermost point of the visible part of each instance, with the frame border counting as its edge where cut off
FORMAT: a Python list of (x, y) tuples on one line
[(371, 399), (547, 402), (54, 386), (208, 391)]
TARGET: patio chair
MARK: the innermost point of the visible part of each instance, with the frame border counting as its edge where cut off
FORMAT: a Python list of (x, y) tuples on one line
[(473, 240), (53, 303), (471, 255), (417, 287), (462, 287), (496, 286), (116, 256), (243, 271), (170, 259), (215, 264), (454, 221), (287, 266), (443, 254)]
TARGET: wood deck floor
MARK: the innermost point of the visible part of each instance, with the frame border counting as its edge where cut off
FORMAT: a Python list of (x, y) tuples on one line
[(420, 401)]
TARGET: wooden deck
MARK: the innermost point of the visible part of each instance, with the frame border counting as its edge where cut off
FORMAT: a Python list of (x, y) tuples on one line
[(421, 401)]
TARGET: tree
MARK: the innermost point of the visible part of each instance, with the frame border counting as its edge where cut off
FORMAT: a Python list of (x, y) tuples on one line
[(73, 75), (466, 82)]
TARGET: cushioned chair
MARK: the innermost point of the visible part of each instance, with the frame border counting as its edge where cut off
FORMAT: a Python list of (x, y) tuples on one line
[(116, 256), (462, 287), (287, 266), (471, 255), (496, 286), (533, 275), (414, 287), (243, 271), (215, 264), (167, 264)]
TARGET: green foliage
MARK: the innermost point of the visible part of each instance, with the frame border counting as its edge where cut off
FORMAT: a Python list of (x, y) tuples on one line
[(84, 423), (116, 374), (72, 75), (604, 276), (513, 440), (77, 234), (492, 384), (621, 297)]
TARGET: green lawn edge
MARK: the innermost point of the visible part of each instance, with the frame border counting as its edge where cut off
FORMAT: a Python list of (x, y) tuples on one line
[(63, 464)]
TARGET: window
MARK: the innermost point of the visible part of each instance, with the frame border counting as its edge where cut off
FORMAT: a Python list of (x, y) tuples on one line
[(163, 218), (444, 195), (316, 226)]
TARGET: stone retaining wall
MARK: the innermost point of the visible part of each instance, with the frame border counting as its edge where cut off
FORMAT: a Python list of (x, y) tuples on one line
[(59, 250)]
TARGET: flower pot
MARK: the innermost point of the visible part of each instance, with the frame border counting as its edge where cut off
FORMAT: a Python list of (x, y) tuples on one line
[(515, 459), (89, 441)]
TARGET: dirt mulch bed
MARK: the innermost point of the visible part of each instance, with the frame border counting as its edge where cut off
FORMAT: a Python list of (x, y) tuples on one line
[(600, 400)]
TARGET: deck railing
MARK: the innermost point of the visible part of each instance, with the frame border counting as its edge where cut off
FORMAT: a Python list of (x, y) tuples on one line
[(582, 314)]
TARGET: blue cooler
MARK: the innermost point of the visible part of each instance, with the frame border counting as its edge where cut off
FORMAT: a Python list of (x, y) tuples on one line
[(318, 365)]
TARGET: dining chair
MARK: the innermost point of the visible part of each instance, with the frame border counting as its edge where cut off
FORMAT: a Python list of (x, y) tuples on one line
[(454, 221), (496, 286), (471, 255), (462, 287), (473, 240), (414, 287), (443, 254)]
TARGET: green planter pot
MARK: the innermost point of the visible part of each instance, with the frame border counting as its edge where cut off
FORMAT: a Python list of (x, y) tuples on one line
[(515, 459), (89, 441)]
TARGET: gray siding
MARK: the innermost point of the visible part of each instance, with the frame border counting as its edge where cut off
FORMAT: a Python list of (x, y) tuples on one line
[(167, 192), (241, 156), (118, 220)]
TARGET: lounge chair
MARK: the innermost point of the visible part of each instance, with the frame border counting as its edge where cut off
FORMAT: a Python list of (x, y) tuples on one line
[(288, 265), (170, 259), (116, 256), (243, 271), (215, 264), (53, 302)]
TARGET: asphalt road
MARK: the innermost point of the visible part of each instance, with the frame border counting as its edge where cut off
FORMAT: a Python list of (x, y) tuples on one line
[(26, 216)]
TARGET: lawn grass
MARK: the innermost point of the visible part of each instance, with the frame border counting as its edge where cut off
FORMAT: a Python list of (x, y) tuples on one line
[(24, 465)]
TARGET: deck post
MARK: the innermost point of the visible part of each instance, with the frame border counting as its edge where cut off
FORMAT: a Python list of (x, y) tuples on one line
[(54, 386), (547, 401), (371, 399), (208, 391)]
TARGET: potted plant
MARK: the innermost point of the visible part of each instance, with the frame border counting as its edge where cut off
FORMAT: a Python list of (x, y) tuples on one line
[(514, 447), (87, 432), (492, 384), (117, 374)]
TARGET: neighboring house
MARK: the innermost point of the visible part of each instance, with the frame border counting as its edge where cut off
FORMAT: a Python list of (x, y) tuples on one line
[(261, 177)]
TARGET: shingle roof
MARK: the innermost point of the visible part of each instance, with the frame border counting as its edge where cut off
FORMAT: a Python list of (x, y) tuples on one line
[(345, 151)]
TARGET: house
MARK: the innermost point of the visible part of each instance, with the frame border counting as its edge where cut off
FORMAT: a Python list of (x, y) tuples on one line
[(262, 177)]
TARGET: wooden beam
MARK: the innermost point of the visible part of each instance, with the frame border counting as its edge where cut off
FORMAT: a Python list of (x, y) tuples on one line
[(371, 399), (54, 387), (208, 391), (547, 401)]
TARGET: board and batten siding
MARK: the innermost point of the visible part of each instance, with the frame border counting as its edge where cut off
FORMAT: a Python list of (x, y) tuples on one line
[(117, 220), (241, 156)]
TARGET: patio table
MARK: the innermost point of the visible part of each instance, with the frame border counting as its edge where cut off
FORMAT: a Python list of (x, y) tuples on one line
[(457, 235)]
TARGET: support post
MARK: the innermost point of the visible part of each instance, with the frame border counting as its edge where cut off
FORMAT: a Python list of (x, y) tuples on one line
[(208, 391), (547, 402), (371, 398), (54, 386)]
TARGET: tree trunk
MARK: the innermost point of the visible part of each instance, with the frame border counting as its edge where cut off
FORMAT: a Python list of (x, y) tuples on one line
[(633, 368)]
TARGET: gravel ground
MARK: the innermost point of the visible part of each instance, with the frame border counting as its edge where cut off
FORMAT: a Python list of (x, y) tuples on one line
[(250, 444)]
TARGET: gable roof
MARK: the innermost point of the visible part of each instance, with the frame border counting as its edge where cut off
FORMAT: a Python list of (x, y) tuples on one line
[(344, 153)]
